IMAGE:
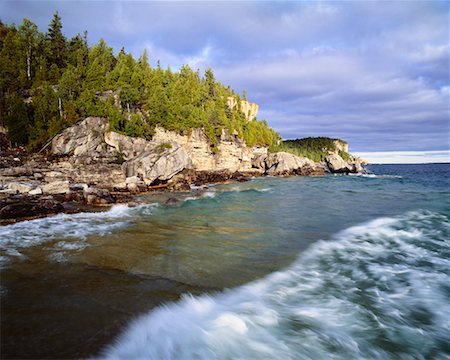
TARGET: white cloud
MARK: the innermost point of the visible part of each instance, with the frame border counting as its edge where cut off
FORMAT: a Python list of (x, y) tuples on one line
[(373, 73), (406, 157)]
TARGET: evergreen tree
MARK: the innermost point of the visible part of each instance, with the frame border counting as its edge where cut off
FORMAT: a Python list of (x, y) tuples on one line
[(56, 42)]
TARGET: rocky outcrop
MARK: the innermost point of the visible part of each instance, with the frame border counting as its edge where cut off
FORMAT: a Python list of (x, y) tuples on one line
[(282, 163), (95, 154), (336, 164)]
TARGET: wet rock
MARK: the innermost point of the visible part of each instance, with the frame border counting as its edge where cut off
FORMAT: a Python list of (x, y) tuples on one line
[(180, 186), (94, 196), (24, 207), (73, 196)]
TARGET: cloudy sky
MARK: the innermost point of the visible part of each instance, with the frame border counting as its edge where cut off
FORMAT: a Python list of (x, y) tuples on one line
[(374, 73)]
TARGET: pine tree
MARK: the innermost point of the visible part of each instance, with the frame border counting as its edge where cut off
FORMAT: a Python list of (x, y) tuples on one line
[(57, 42)]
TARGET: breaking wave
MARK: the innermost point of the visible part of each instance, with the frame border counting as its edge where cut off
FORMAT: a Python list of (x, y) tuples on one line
[(380, 290)]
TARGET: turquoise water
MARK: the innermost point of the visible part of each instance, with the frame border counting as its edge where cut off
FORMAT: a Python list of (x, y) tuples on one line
[(334, 267)]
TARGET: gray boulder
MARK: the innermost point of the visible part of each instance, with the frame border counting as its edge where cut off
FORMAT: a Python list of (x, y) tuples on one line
[(81, 139), (161, 162)]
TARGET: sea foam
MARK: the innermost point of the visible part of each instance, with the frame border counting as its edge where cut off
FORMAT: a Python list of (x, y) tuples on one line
[(74, 227), (375, 291)]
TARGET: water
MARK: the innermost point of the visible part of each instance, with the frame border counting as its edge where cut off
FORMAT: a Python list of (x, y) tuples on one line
[(335, 267)]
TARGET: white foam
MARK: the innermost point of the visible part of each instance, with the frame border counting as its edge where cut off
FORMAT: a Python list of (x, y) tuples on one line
[(76, 227), (377, 176), (313, 310)]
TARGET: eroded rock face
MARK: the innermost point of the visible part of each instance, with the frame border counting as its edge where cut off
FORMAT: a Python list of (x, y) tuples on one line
[(160, 162)]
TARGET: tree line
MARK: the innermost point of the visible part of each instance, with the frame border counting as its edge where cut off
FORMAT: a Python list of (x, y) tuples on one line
[(49, 82), (314, 148)]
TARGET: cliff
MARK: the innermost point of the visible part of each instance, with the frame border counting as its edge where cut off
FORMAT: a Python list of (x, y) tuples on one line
[(249, 109), (167, 154)]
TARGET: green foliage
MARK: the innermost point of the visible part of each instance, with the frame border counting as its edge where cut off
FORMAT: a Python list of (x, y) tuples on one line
[(65, 81), (57, 42), (163, 147), (315, 149)]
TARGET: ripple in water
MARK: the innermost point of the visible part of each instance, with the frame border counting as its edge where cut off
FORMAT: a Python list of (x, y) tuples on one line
[(376, 291)]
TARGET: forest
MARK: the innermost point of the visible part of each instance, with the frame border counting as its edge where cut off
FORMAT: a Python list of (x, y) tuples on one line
[(49, 82)]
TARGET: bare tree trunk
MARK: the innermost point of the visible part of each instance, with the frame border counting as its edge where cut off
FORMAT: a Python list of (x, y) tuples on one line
[(60, 107), (29, 63)]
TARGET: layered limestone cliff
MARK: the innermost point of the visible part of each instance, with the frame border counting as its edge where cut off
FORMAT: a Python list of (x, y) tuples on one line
[(168, 153)]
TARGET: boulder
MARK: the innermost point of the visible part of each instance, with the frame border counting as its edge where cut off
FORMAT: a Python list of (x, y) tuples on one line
[(160, 163), (85, 137), (56, 187), (336, 164)]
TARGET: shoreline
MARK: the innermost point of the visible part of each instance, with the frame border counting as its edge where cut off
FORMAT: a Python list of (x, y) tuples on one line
[(15, 208)]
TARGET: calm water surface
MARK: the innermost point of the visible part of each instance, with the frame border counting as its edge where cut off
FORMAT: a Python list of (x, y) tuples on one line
[(332, 267)]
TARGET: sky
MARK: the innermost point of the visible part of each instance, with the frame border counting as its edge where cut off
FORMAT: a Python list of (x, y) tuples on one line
[(374, 73)]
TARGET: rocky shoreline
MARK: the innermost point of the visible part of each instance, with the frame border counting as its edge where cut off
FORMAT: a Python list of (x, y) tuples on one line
[(88, 166)]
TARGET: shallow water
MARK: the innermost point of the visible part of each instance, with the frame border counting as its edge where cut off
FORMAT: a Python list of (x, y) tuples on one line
[(334, 267)]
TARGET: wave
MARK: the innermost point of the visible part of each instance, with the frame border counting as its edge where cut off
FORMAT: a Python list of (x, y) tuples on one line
[(379, 290), (76, 227), (377, 176)]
